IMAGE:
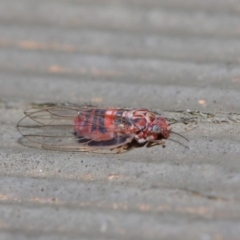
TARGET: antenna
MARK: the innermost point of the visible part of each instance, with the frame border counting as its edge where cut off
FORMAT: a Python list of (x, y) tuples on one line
[(178, 142), (179, 135)]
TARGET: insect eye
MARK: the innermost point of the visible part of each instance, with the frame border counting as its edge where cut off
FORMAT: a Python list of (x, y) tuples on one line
[(156, 129)]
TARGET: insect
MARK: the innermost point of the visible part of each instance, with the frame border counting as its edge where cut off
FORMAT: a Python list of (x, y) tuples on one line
[(91, 129)]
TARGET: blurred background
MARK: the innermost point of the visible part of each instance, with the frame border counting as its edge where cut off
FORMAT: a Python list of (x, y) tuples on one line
[(165, 55), (158, 54)]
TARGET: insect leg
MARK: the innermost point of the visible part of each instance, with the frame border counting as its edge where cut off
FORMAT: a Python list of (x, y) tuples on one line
[(158, 142)]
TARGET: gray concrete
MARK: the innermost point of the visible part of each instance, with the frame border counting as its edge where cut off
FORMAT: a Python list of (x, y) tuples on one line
[(168, 56)]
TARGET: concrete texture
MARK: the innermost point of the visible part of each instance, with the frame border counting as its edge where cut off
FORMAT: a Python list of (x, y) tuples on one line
[(180, 58)]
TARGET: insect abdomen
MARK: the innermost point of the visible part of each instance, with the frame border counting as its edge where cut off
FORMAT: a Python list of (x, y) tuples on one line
[(97, 122)]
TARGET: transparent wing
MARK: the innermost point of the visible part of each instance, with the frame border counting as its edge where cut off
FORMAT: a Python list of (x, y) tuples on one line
[(53, 128)]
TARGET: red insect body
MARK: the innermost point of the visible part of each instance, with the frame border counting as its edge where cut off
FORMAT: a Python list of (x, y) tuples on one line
[(89, 128), (118, 125)]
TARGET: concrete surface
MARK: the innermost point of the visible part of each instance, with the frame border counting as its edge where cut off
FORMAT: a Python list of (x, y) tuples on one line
[(168, 56)]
